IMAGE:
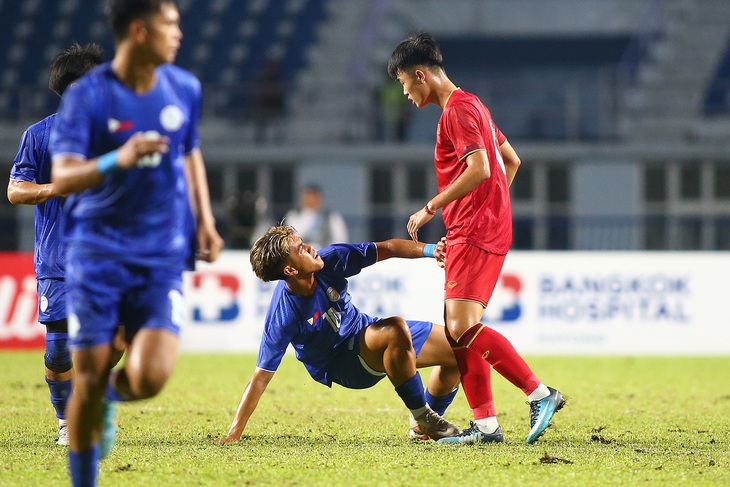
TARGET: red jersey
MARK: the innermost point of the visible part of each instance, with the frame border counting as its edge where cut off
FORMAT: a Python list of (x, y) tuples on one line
[(482, 218)]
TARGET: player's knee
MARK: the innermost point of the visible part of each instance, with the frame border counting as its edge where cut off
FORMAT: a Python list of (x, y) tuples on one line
[(149, 386), (57, 356), (399, 331), (151, 381)]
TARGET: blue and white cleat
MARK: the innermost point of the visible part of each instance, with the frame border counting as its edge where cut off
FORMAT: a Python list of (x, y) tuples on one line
[(108, 428), (474, 435), (542, 411)]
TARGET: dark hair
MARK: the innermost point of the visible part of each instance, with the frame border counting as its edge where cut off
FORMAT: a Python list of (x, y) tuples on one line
[(419, 49), (72, 63), (121, 13)]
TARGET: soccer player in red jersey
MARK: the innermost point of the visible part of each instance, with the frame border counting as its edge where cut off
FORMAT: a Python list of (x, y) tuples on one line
[(475, 165)]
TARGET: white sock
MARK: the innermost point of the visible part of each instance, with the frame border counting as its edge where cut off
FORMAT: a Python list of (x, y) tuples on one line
[(487, 425), (540, 393), (61, 422), (418, 412)]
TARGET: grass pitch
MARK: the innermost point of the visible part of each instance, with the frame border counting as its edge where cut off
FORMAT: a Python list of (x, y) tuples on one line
[(628, 421)]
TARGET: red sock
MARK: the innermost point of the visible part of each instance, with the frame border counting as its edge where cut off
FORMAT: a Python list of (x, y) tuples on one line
[(499, 352), (475, 380)]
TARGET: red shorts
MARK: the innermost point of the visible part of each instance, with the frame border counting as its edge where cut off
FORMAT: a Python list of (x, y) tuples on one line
[(471, 273)]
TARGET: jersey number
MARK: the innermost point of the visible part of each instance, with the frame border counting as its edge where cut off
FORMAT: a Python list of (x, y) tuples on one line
[(334, 318), (151, 160)]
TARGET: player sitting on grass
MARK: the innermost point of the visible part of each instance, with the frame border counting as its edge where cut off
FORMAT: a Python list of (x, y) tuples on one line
[(312, 310)]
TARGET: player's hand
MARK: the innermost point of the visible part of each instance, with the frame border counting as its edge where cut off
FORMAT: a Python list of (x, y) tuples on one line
[(416, 221), (209, 241), (440, 253), (140, 145)]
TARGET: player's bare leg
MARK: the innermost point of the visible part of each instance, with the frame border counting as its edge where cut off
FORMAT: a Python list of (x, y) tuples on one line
[(387, 346), (443, 382), (84, 409), (150, 361), (478, 347)]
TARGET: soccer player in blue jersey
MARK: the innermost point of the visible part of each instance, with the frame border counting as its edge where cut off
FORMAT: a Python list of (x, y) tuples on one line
[(311, 309), (30, 184), (125, 147)]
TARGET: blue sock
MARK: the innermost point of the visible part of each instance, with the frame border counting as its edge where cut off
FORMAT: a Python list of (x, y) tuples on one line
[(441, 403), (84, 466), (412, 392), (60, 390)]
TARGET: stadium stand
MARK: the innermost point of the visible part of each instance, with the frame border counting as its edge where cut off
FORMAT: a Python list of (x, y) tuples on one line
[(717, 99), (637, 89), (226, 45)]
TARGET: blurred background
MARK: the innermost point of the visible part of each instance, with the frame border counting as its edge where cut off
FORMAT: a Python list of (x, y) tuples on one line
[(619, 109)]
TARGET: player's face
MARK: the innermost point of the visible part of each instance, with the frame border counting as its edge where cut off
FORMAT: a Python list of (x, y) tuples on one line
[(414, 87), (303, 257), (164, 34)]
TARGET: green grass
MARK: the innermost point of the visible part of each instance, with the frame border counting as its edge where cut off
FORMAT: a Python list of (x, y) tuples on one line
[(629, 421)]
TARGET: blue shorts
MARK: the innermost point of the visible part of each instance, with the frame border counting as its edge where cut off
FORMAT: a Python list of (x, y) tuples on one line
[(103, 294), (51, 300), (349, 370)]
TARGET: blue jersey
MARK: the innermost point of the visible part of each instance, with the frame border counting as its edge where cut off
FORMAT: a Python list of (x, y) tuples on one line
[(33, 164), (142, 215), (316, 325)]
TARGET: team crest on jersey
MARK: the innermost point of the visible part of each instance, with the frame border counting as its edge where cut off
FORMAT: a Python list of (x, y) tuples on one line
[(332, 294), (171, 118)]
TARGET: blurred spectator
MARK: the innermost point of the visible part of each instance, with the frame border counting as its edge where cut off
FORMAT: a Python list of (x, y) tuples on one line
[(269, 100), (248, 219), (394, 112), (316, 225)]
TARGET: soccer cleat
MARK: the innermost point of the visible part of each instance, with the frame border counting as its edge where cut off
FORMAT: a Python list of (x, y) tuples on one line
[(414, 431), (432, 425), (542, 411), (108, 428), (62, 433), (474, 435), (416, 434)]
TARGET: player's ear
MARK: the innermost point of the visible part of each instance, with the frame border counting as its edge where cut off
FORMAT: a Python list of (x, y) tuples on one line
[(420, 75), (137, 29), (290, 271)]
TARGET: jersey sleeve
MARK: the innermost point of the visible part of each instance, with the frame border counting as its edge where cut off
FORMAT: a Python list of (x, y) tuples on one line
[(350, 259), (26, 164), (71, 131), (278, 334), (464, 130)]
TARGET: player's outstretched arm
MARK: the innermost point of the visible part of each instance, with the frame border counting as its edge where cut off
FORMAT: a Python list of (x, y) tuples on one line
[(404, 249), (28, 193), (209, 241), (250, 399)]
